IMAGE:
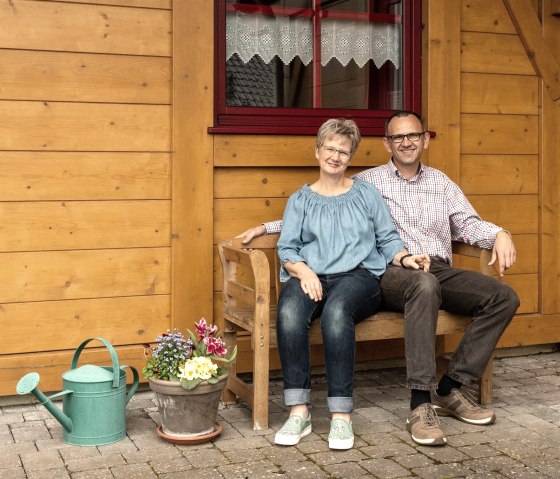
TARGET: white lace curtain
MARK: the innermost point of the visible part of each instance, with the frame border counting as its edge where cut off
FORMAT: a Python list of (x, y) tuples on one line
[(286, 37)]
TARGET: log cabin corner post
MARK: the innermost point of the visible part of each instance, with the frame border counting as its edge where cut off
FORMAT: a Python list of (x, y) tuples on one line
[(441, 83), (550, 173), (441, 95), (192, 162)]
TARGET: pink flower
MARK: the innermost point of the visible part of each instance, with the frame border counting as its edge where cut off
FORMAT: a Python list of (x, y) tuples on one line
[(215, 346), (203, 330)]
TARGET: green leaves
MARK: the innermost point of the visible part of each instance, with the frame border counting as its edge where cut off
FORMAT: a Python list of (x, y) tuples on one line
[(190, 384)]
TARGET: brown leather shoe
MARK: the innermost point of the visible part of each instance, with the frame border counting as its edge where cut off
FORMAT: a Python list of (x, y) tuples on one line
[(423, 425), (463, 407)]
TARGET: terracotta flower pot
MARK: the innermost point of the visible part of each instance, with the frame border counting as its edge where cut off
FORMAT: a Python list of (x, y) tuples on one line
[(187, 414)]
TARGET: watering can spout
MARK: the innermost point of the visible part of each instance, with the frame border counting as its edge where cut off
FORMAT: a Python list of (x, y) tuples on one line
[(28, 384)]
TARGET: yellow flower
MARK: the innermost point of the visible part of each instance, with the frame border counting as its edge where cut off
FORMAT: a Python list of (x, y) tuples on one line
[(187, 371), (198, 368)]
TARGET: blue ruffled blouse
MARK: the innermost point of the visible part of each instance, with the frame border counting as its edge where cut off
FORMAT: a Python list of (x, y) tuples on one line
[(335, 234)]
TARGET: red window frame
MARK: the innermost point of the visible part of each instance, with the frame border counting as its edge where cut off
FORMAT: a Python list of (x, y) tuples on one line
[(305, 121)]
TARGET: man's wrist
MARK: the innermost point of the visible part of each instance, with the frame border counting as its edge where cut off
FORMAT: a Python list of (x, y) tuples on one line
[(402, 258)]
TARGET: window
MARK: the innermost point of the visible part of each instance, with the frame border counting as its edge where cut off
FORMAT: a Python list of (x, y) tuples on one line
[(285, 66)]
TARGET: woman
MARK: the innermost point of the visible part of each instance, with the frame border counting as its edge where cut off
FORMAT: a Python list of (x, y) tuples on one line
[(337, 239)]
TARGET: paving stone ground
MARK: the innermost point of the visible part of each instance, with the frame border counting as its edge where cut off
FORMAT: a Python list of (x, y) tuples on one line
[(523, 443)]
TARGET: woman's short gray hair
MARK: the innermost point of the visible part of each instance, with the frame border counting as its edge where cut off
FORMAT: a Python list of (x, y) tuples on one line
[(347, 129)]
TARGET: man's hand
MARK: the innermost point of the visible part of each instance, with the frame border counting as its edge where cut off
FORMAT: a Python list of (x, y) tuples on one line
[(255, 232), (503, 251), (418, 261)]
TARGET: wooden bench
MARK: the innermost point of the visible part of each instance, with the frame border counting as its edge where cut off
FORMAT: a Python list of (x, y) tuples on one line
[(250, 293)]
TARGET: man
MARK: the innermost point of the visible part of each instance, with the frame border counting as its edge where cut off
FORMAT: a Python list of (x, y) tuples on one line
[(429, 210)]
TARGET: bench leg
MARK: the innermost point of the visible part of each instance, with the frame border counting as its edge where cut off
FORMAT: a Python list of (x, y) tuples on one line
[(441, 360), (230, 340), (485, 392), (485, 382), (260, 386)]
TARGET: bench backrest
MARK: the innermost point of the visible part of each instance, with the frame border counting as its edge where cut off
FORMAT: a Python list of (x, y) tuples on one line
[(264, 257)]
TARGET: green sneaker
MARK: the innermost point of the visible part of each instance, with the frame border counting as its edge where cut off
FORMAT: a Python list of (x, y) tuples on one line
[(341, 435), (293, 430)]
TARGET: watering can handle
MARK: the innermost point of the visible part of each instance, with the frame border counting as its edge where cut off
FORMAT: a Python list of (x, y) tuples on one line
[(114, 358), (134, 384)]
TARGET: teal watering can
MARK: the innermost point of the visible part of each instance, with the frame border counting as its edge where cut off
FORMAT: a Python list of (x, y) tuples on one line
[(94, 400)]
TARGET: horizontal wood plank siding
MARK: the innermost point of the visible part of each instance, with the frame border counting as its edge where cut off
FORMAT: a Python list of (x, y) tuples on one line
[(485, 16), (40, 225), (500, 136), (494, 53), (58, 275), (85, 162), (119, 320), (282, 151), (70, 27), (164, 4), (43, 176), (520, 174), (84, 77), (497, 93), (50, 126)]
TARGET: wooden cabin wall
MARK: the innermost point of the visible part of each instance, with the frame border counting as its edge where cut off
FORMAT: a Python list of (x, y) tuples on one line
[(482, 97), (106, 232), (85, 164)]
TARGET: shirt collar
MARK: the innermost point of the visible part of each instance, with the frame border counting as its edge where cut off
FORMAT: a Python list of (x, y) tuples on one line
[(395, 172)]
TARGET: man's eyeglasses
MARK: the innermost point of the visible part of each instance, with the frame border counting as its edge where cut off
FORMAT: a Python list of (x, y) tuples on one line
[(409, 136), (343, 155)]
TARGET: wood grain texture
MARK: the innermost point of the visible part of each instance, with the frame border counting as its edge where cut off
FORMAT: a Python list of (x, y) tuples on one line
[(485, 16), (44, 126), (192, 177), (121, 321), (264, 182), (40, 176), (43, 226), (165, 4), (52, 364), (234, 216), (59, 275), (500, 174), (494, 53), (499, 93), (543, 58), (442, 85), (516, 213), (527, 246), (83, 77), (72, 27), (260, 150), (550, 258), (499, 134)]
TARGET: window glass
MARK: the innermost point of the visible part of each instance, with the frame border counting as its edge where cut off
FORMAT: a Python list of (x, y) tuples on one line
[(277, 56)]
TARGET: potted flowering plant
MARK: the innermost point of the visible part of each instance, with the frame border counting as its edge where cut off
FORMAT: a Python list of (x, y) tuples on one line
[(187, 375)]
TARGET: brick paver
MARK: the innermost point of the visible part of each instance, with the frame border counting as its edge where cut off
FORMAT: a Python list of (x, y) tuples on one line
[(524, 443)]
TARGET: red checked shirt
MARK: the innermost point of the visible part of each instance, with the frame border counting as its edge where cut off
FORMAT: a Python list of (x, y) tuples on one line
[(429, 211)]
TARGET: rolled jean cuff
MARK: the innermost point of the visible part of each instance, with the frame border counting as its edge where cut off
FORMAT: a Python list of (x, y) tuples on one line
[(340, 404), (422, 387), (465, 381), (293, 397)]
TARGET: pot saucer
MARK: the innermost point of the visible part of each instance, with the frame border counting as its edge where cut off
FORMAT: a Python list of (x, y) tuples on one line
[(189, 441)]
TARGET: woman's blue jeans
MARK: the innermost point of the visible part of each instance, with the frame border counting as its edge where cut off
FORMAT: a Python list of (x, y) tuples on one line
[(348, 298)]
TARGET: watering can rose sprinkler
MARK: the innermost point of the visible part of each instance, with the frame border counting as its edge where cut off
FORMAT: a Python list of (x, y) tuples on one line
[(94, 399)]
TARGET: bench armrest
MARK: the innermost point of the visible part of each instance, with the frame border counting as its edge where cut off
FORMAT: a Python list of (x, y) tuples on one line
[(472, 251)]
